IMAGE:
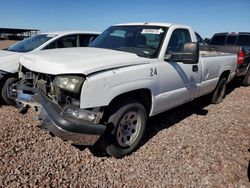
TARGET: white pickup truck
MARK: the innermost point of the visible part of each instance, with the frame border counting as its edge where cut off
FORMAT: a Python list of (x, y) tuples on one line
[(9, 57), (103, 95)]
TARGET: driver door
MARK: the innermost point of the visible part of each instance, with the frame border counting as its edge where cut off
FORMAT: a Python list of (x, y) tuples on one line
[(178, 81)]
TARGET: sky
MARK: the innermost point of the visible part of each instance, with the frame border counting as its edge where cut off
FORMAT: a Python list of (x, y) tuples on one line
[(205, 16)]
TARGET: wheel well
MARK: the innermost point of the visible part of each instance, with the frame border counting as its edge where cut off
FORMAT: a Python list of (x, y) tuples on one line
[(6, 76), (225, 74), (142, 95), (9, 75)]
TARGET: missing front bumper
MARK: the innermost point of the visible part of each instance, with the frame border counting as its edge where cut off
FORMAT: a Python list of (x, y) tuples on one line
[(58, 122), (68, 128), (24, 95)]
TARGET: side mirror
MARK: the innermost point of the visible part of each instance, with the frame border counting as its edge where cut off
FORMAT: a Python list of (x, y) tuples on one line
[(191, 53)]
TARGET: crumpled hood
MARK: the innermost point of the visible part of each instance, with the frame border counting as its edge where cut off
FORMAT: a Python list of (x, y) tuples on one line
[(9, 61), (78, 60)]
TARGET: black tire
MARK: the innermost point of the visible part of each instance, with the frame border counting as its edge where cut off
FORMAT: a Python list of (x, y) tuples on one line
[(113, 144), (4, 95), (246, 79), (220, 91)]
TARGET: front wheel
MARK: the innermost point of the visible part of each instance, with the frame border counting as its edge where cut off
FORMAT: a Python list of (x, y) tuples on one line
[(128, 120), (4, 91)]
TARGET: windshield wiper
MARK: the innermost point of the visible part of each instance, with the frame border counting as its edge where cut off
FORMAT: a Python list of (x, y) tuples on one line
[(143, 55), (140, 54)]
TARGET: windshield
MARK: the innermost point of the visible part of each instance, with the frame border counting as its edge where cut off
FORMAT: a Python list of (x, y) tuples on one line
[(29, 44), (141, 40)]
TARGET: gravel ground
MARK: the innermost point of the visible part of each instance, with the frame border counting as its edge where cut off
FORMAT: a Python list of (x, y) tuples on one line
[(6, 43), (195, 145)]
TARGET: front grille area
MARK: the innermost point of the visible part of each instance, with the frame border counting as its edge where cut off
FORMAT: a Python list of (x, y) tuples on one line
[(38, 80), (45, 83)]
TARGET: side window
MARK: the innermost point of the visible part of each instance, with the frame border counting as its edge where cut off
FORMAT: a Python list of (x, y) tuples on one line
[(64, 42), (85, 40), (243, 40), (231, 39), (198, 37), (218, 40), (178, 39)]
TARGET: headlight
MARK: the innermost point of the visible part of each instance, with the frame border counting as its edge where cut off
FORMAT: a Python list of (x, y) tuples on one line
[(69, 83)]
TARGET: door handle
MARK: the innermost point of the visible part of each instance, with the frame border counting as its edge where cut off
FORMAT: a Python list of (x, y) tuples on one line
[(195, 68)]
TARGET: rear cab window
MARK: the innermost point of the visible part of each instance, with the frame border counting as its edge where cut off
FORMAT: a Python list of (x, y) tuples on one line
[(243, 40), (85, 39), (231, 39), (218, 40), (152, 40)]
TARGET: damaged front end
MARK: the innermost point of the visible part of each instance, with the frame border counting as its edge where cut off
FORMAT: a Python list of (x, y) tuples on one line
[(57, 101), (53, 86)]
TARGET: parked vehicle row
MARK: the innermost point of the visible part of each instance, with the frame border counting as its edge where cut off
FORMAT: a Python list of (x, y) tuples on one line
[(242, 43), (102, 95)]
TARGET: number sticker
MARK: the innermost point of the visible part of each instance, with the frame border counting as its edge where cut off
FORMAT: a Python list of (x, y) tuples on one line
[(152, 31), (153, 72)]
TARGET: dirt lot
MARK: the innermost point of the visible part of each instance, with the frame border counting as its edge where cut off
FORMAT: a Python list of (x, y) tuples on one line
[(6, 43), (195, 145)]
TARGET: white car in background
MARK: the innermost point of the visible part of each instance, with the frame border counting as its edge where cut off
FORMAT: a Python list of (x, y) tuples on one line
[(9, 57)]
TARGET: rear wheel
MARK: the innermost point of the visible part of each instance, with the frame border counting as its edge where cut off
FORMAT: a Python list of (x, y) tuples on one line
[(4, 91), (220, 91), (128, 120), (246, 79)]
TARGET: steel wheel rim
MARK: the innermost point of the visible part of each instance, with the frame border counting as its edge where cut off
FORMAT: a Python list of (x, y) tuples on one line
[(128, 128)]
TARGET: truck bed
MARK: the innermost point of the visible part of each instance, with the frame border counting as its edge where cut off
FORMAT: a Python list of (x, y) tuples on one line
[(222, 49)]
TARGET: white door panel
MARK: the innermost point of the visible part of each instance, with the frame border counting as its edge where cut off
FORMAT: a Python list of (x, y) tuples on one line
[(178, 84)]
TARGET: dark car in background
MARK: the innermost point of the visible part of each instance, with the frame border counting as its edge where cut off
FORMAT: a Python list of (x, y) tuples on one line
[(241, 40)]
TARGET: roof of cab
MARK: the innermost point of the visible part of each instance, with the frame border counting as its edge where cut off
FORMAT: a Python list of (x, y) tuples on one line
[(160, 24), (146, 24), (233, 33)]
